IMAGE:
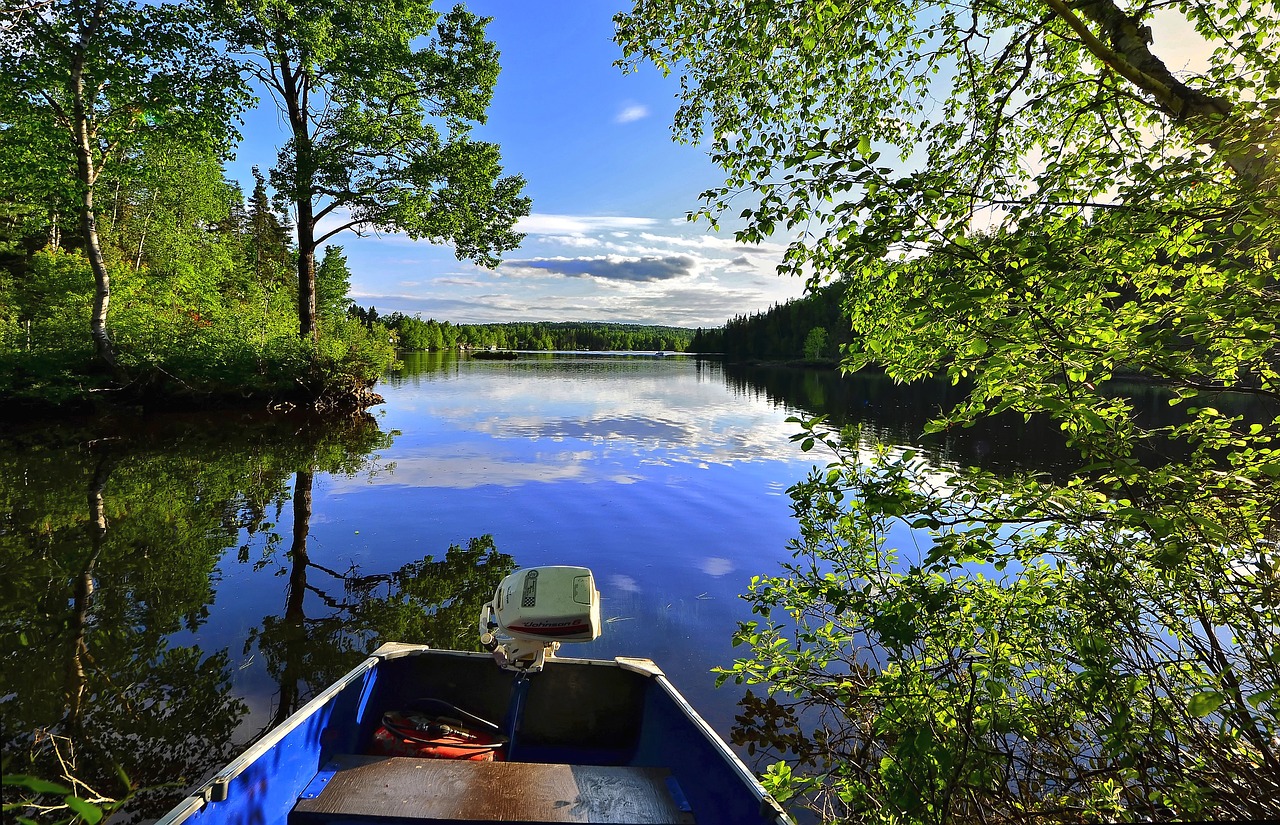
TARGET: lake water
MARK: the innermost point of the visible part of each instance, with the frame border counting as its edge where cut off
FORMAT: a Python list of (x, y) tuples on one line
[(171, 587)]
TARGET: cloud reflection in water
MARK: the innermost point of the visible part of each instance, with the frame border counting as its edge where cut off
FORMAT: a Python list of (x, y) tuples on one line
[(716, 567), (447, 467), (608, 419)]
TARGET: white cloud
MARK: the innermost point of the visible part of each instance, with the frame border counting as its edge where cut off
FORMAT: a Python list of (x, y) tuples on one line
[(631, 112), (714, 242), (610, 267), (619, 268), (574, 241)]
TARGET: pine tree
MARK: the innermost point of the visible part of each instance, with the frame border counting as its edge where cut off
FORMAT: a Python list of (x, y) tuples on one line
[(269, 237)]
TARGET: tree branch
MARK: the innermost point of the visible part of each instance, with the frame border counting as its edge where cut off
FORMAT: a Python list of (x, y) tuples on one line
[(348, 225), (1129, 56)]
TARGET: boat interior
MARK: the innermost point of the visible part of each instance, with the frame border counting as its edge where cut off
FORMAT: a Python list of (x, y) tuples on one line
[(591, 741)]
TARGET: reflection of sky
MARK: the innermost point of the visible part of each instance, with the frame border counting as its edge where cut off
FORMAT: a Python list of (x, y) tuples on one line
[(656, 474), (583, 420), (463, 468)]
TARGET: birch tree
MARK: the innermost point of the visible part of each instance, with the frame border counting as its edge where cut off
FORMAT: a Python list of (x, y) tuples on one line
[(84, 81)]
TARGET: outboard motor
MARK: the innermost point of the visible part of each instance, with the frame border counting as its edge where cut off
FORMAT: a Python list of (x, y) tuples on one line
[(532, 612), (536, 609)]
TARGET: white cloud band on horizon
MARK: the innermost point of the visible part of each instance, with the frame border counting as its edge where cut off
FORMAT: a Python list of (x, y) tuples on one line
[(609, 267), (665, 303), (540, 223)]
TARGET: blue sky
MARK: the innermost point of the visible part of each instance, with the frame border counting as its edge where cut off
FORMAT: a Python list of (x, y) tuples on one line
[(607, 239)]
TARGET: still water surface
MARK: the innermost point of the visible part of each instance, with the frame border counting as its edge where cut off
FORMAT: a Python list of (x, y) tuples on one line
[(664, 480), (170, 588)]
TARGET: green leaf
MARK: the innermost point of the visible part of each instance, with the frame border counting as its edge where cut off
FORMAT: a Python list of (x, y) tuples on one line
[(1072, 265), (87, 811), (34, 784), (1203, 704)]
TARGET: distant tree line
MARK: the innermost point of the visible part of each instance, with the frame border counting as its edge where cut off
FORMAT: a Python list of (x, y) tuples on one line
[(413, 333), (811, 328)]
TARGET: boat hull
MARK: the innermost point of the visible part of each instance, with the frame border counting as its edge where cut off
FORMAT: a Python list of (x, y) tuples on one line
[(621, 714)]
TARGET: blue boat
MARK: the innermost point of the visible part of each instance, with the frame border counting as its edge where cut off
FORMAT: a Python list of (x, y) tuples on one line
[(415, 735)]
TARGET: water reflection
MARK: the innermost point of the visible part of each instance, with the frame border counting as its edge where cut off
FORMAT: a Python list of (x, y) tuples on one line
[(581, 418), (110, 539), (113, 550), (716, 567), (895, 414), (430, 601), (681, 411), (195, 580), (464, 467), (87, 600)]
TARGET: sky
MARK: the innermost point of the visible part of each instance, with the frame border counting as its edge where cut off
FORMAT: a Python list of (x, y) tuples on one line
[(607, 238)]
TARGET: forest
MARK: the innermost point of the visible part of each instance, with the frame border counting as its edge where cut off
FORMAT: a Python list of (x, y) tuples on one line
[(203, 285), (132, 270), (809, 329), (413, 333)]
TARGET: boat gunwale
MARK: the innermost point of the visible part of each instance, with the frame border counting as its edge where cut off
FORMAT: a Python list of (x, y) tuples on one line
[(216, 789), (769, 807)]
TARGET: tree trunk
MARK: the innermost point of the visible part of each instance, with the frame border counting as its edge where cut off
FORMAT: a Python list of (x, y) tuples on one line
[(102, 344), (295, 618), (76, 681), (295, 85), (137, 264), (87, 176), (1124, 47), (306, 270)]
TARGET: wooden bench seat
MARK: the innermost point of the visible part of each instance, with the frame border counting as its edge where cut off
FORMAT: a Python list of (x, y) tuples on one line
[(375, 788)]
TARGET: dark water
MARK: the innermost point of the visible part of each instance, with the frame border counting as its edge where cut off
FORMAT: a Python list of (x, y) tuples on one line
[(171, 588)]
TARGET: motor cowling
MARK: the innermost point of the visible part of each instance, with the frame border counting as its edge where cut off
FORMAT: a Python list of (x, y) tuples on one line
[(535, 609)]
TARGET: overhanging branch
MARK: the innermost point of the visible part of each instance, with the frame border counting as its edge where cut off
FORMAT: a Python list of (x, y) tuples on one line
[(1126, 51)]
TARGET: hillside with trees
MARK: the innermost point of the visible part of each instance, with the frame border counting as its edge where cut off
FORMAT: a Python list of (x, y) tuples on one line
[(810, 329), (132, 270)]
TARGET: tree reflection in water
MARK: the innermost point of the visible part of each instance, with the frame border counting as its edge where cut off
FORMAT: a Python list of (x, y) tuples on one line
[(109, 542), (430, 601)]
